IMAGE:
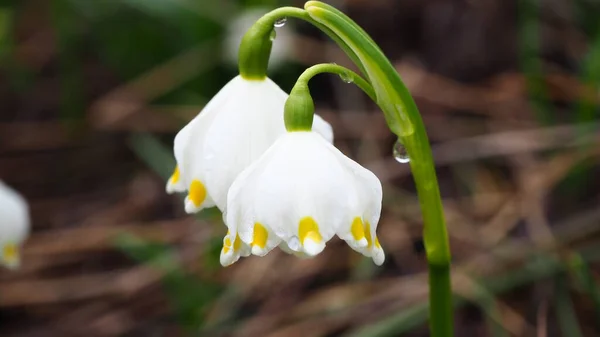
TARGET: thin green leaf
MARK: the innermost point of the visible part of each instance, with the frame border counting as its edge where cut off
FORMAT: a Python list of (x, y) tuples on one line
[(581, 272), (530, 59), (155, 154), (565, 313), (189, 295)]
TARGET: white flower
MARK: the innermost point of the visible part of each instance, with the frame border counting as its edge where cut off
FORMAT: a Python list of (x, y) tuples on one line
[(239, 25), (235, 128), (14, 225), (297, 196)]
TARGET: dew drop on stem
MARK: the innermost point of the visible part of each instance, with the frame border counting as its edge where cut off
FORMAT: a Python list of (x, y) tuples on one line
[(400, 153), (346, 77), (280, 22)]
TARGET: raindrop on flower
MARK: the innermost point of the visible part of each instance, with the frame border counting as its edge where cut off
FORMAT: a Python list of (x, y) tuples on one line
[(294, 243), (346, 77), (273, 35), (280, 22), (400, 153)]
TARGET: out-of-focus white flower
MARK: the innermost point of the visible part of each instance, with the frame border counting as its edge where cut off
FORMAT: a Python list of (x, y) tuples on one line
[(237, 27), (235, 128), (14, 225), (298, 195)]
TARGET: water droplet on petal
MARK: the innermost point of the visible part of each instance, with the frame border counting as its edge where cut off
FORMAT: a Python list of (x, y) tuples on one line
[(294, 243), (346, 77), (280, 22), (400, 153), (273, 35)]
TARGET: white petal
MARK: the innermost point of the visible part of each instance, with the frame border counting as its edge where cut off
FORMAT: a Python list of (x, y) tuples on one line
[(242, 218), (14, 213), (233, 249), (14, 225), (284, 246), (297, 189), (323, 128), (378, 256), (245, 128), (365, 203), (175, 184), (368, 186), (189, 145), (178, 182)]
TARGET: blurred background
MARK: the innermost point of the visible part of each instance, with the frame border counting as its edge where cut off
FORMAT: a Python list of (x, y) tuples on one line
[(92, 93)]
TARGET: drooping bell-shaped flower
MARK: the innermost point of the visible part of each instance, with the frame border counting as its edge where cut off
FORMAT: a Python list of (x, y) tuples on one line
[(235, 128), (297, 196), (14, 225)]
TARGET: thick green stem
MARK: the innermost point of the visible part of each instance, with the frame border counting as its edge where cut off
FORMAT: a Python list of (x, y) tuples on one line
[(441, 323), (405, 121)]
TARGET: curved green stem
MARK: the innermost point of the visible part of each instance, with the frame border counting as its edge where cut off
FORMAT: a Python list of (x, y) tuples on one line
[(345, 74), (299, 107), (256, 44), (403, 118)]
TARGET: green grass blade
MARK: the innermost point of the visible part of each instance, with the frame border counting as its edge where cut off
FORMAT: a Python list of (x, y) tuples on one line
[(155, 154), (565, 313)]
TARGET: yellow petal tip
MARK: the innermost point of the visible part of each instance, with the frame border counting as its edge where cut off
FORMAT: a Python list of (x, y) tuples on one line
[(197, 193), (260, 236)]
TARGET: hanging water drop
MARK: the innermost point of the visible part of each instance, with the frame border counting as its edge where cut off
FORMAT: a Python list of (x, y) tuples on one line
[(294, 243), (280, 22), (272, 35), (346, 77), (400, 153)]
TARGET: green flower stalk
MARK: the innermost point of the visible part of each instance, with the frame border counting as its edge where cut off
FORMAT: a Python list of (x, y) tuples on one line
[(299, 107), (256, 44), (383, 84)]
